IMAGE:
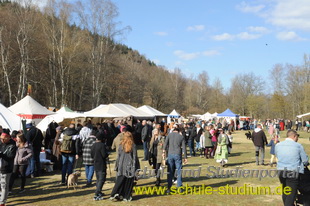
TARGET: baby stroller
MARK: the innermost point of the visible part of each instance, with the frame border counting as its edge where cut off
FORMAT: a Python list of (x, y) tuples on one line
[(303, 196)]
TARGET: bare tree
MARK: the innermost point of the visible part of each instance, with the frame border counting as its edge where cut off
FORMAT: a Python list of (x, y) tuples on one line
[(5, 55)]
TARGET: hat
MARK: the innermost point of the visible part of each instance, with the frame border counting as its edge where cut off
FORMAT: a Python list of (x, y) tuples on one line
[(29, 125), (100, 136)]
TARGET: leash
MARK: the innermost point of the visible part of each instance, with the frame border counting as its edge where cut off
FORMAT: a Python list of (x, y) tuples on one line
[(76, 163), (108, 159)]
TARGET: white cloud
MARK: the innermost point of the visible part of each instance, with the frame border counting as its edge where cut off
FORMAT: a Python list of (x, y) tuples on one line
[(196, 28), (156, 61), (179, 63), (289, 36), (290, 14), (247, 36), (258, 29), (223, 37), (247, 8), (189, 56), (161, 33), (186, 56), (242, 36), (170, 44), (211, 53)]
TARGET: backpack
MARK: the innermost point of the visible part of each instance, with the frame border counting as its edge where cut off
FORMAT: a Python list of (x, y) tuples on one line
[(67, 144)]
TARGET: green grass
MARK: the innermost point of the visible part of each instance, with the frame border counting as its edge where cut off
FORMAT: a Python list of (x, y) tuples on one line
[(46, 191)]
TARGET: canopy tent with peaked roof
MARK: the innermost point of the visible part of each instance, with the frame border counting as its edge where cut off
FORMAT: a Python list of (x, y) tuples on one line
[(227, 113), (30, 109), (151, 111), (157, 115), (174, 114), (95, 109), (302, 115), (9, 120), (208, 116), (116, 110), (61, 116), (64, 109)]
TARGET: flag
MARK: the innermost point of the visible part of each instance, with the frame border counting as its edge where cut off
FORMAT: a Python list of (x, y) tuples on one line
[(29, 89)]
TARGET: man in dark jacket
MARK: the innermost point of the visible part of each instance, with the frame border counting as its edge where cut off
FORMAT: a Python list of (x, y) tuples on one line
[(195, 135), (7, 155), (259, 139), (99, 154), (34, 137), (146, 138)]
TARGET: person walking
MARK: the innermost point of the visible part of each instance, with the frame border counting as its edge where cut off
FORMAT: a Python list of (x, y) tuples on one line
[(259, 139), (127, 163), (175, 146), (23, 155), (221, 153), (99, 155), (272, 145), (34, 137), (88, 161), (69, 150), (156, 149), (146, 137), (207, 142), (292, 159), (7, 155)]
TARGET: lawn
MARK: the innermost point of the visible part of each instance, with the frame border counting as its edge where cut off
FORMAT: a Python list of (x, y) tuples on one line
[(45, 190)]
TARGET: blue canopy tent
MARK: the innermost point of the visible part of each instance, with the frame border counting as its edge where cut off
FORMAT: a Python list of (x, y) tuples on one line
[(229, 114)]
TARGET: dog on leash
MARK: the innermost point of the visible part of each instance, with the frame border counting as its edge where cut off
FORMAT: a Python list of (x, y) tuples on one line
[(248, 135), (73, 179)]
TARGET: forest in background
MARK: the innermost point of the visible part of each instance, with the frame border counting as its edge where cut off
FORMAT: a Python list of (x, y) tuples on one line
[(72, 54)]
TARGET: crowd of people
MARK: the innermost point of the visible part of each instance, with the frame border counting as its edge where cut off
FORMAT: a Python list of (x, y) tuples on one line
[(164, 145)]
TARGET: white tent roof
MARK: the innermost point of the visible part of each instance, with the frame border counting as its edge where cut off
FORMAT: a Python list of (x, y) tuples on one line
[(303, 115), (28, 105), (116, 110), (57, 117), (151, 111), (9, 120), (64, 110), (174, 114), (95, 109)]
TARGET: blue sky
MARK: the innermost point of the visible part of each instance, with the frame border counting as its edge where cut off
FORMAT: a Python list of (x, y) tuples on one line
[(223, 37)]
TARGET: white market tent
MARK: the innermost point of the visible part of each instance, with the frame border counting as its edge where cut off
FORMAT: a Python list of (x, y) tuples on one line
[(151, 111), (303, 115), (9, 120), (174, 114), (116, 110), (60, 116), (30, 109), (64, 109), (95, 109), (208, 116)]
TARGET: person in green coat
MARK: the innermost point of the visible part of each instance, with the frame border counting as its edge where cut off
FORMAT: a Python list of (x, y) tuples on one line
[(221, 153), (207, 143)]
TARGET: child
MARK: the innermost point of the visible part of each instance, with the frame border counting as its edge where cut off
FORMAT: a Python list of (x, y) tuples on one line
[(272, 144), (99, 154)]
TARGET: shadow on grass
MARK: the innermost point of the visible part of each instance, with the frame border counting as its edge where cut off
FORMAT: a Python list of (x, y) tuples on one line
[(239, 163), (46, 194), (235, 154)]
